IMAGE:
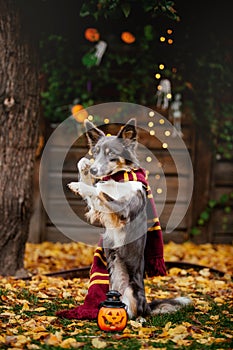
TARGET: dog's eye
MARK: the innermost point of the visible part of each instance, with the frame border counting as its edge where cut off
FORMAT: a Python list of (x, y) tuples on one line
[(113, 157), (111, 154)]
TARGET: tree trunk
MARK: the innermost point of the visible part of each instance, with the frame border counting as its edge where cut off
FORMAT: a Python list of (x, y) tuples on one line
[(19, 103)]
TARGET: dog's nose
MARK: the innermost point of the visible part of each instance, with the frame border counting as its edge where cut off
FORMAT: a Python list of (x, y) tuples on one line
[(93, 171)]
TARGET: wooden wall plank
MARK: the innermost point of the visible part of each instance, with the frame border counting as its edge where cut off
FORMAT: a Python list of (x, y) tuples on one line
[(219, 191), (223, 173), (63, 216), (86, 235), (222, 222), (168, 185)]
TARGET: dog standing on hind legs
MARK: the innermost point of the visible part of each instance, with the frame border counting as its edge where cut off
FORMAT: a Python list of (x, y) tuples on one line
[(121, 207)]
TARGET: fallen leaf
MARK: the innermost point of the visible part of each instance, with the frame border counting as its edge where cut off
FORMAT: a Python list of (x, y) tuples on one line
[(39, 329), (54, 339), (205, 272), (29, 324), (206, 341), (20, 340), (33, 347), (70, 343), (184, 342), (98, 344), (2, 339), (219, 300), (39, 335), (25, 307), (42, 295), (40, 309), (135, 324), (214, 318), (175, 271)]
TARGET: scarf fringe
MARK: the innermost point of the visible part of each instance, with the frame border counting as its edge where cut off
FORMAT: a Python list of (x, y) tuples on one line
[(155, 266)]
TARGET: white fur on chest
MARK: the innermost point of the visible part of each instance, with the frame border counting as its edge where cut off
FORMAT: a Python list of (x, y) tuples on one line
[(116, 190)]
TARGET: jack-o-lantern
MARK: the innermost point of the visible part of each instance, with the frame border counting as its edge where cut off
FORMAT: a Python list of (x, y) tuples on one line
[(128, 37), (112, 315), (92, 34)]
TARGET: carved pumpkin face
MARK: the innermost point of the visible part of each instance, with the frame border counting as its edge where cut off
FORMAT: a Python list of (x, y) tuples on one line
[(92, 34), (112, 319)]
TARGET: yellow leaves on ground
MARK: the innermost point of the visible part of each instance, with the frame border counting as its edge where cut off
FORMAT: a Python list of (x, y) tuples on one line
[(216, 256), (51, 257), (27, 308)]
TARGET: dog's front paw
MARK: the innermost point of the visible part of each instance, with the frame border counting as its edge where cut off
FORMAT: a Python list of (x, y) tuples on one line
[(82, 189), (84, 170), (84, 166), (74, 187)]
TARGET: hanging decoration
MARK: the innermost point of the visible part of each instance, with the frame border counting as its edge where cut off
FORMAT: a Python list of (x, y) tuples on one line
[(100, 48), (163, 94), (79, 113), (92, 34), (128, 37), (175, 113)]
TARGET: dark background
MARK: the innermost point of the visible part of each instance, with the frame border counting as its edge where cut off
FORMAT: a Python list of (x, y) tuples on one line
[(201, 22)]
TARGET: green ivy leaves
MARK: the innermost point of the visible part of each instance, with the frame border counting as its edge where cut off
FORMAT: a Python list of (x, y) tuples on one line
[(224, 203)]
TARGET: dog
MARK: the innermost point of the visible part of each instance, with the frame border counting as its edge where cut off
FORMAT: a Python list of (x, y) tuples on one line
[(121, 209)]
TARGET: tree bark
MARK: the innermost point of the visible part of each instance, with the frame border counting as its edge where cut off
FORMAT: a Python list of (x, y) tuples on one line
[(19, 105)]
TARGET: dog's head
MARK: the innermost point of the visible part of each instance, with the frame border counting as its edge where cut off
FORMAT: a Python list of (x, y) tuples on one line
[(112, 153)]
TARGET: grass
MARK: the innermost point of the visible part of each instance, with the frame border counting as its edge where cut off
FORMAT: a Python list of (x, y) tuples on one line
[(207, 324)]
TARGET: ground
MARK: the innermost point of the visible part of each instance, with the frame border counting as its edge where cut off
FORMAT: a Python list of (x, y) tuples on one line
[(27, 307)]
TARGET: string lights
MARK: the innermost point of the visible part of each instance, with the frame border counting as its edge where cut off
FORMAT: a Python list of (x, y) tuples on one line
[(151, 114), (169, 40)]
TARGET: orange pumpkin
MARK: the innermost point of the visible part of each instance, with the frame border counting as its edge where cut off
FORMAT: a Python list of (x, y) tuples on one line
[(92, 34), (112, 315), (128, 37), (79, 113)]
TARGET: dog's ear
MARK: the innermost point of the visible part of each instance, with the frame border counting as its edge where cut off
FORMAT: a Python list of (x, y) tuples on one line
[(128, 132), (93, 133)]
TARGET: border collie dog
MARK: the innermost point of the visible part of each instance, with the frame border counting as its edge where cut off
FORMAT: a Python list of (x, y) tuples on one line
[(121, 208)]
